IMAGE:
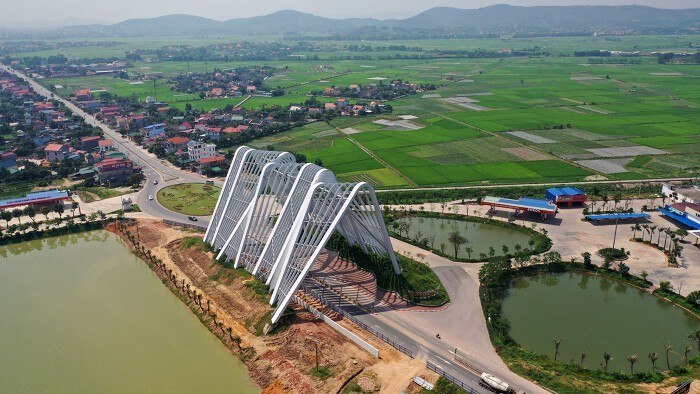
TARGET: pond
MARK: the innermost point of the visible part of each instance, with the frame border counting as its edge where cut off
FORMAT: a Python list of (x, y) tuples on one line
[(480, 236), (596, 315), (80, 313)]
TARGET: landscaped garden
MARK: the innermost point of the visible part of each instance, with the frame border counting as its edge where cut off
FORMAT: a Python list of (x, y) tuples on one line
[(197, 199)]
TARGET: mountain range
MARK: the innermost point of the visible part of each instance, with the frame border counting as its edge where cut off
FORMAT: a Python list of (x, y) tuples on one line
[(497, 19)]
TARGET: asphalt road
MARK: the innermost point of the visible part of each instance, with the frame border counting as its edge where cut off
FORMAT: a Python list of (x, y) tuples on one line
[(153, 168)]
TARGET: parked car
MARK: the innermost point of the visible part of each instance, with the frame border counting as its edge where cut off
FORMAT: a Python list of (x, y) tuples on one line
[(150, 197), (192, 218), (209, 182)]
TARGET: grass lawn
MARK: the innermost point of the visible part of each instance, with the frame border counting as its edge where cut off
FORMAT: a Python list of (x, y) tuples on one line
[(196, 199)]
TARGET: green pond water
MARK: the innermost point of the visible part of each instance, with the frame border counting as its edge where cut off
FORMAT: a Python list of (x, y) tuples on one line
[(480, 236), (596, 315), (81, 314)]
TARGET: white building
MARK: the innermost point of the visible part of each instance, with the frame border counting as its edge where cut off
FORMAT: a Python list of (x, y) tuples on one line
[(198, 150), (274, 217), (675, 194)]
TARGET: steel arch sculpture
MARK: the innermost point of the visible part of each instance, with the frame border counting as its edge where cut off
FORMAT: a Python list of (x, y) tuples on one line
[(274, 217)]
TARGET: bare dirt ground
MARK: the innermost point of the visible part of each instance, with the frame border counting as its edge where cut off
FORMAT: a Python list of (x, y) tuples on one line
[(282, 361)]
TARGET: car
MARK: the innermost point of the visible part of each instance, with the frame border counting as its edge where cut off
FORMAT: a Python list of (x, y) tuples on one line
[(155, 182), (150, 198), (209, 182), (192, 218)]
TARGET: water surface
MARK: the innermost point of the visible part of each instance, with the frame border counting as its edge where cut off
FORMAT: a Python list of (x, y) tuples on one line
[(596, 315), (80, 313)]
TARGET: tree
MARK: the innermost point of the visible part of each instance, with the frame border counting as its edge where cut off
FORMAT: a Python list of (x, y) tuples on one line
[(653, 357), (682, 233), (73, 207), (469, 251), (624, 269), (557, 342), (443, 246), (632, 359), (583, 357), (586, 259), (59, 209), (17, 213), (606, 357), (668, 348), (30, 212), (635, 228), (665, 285), (6, 216), (686, 351), (695, 334), (45, 211), (492, 251), (505, 250), (456, 239)]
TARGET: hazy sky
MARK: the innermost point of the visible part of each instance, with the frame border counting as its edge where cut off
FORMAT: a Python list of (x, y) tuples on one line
[(19, 12)]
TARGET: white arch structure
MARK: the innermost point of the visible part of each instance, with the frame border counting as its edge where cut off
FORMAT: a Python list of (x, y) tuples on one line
[(274, 216)]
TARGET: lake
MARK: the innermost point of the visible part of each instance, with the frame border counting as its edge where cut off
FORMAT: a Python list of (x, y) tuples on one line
[(80, 313), (596, 315)]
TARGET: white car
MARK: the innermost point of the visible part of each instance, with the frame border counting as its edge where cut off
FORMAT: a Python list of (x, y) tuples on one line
[(150, 197)]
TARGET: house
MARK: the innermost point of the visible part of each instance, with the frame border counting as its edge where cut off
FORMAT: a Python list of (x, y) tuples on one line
[(209, 163), (153, 130), (105, 145), (8, 160), (176, 143), (56, 152), (114, 172), (83, 95), (198, 150), (110, 112), (184, 126), (330, 106), (95, 104), (213, 132), (342, 103), (90, 143)]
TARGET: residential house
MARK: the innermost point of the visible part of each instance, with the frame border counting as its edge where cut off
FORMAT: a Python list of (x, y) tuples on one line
[(184, 126), (83, 94), (210, 163), (56, 152), (213, 132), (198, 150), (8, 160), (153, 130), (114, 172), (176, 143), (105, 145), (90, 143)]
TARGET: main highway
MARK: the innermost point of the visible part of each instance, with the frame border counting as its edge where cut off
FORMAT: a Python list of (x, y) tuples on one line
[(158, 173)]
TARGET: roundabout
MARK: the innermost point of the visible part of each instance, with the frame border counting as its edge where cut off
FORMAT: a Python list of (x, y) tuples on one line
[(196, 199)]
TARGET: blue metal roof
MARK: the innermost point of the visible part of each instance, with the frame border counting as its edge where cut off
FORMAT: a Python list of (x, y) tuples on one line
[(523, 202), (680, 218), (565, 191), (618, 216)]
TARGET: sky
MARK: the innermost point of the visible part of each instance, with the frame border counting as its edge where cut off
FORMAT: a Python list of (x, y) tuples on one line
[(30, 13)]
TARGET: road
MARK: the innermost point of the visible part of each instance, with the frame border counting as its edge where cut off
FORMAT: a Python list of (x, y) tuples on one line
[(153, 168)]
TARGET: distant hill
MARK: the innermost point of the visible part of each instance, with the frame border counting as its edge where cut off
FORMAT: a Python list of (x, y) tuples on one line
[(497, 19)]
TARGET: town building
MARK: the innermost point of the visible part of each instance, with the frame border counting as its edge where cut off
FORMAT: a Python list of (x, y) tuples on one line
[(56, 152), (198, 150), (114, 172)]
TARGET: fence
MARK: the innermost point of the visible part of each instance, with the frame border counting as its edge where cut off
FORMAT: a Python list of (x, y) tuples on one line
[(396, 345), (451, 378), (185, 225)]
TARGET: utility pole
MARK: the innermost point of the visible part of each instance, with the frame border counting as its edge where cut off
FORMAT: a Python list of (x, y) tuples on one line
[(617, 219)]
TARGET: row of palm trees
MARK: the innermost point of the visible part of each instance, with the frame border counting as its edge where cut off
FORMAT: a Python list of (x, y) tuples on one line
[(181, 286), (670, 242), (633, 358)]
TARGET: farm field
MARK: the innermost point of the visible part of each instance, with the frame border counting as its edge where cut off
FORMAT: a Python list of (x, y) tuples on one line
[(508, 120)]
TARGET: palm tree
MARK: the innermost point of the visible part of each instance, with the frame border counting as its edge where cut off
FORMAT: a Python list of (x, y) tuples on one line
[(635, 228), (557, 342), (469, 251), (668, 348), (607, 357), (632, 359), (456, 239), (653, 357), (652, 230), (583, 356), (645, 229)]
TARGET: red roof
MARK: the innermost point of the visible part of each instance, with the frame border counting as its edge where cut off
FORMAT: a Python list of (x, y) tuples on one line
[(106, 143), (178, 140), (214, 159), (54, 147), (91, 138)]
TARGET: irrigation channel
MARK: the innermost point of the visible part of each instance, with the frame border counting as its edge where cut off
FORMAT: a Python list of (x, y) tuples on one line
[(596, 315), (479, 236), (80, 313)]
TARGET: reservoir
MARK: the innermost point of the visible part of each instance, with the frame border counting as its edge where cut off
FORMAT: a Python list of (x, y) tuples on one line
[(596, 315), (479, 236), (81, 314)]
